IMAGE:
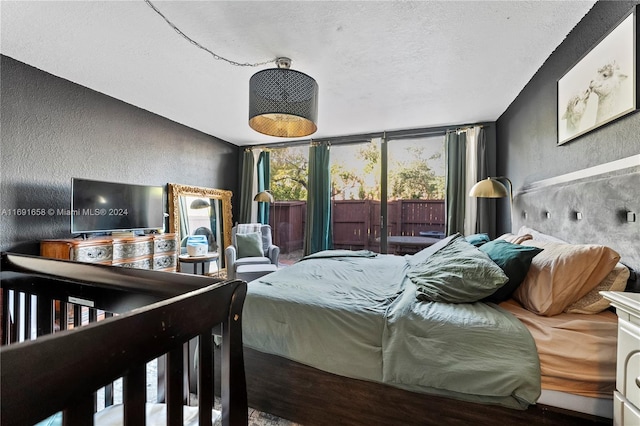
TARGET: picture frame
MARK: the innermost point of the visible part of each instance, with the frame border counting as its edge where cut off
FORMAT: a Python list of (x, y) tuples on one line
[(602, 85)]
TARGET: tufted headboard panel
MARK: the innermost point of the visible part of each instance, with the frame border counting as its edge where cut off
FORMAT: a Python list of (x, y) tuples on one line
[(599, 208)]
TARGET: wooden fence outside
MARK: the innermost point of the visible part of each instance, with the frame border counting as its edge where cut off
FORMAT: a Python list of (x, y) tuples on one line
[(356, 223)]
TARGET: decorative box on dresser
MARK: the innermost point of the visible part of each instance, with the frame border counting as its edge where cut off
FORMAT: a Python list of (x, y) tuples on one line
[(626, 398), (153, 251)]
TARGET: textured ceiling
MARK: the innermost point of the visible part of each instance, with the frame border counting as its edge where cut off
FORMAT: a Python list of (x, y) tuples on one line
[(380, 65)]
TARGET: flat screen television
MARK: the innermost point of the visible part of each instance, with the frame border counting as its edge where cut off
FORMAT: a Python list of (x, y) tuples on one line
[(99, 207)]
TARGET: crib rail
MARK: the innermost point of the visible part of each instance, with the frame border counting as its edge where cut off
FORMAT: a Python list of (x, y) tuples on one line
[(61, 371)]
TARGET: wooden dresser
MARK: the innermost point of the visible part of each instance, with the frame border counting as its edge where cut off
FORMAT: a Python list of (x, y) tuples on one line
[(626, 398), (153, 251)]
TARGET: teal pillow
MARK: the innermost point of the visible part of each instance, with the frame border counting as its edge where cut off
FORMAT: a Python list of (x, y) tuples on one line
[(249, 245), (477, 239), (457, 273), (514, 259)]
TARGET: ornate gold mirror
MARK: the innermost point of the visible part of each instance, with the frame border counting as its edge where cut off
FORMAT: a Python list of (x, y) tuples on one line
[(194, 210)]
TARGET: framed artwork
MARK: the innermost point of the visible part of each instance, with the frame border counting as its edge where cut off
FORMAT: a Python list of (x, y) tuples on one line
[(601, 87)]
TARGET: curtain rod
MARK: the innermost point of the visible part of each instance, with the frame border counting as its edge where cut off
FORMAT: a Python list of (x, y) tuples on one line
[(366, 137)]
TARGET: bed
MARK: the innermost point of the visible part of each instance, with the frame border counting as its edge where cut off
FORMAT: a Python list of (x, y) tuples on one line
[(362, 355), (134, 316)]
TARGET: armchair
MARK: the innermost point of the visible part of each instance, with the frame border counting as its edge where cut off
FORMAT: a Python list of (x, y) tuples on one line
[(270, 252)]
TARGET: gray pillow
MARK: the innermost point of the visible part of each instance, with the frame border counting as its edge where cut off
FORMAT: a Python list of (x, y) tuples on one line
[(457, 273), (249, 245), (422, 255)]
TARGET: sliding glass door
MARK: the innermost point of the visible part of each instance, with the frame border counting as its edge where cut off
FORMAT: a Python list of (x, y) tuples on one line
[(289, 169), (355, 194), (384, 193), (415, 192)]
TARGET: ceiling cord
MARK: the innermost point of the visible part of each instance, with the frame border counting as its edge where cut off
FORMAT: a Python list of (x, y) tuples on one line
[(198, 45)]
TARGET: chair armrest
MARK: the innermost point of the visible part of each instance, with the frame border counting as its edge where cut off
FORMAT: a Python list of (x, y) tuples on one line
[(273, 253), (230, 256)]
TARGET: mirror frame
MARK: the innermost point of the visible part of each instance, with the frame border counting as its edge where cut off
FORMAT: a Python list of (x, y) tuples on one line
[(176, 190)]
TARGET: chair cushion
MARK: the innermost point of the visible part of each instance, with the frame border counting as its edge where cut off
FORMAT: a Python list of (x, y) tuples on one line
[(253, 272), (249, 245), (256, 260)]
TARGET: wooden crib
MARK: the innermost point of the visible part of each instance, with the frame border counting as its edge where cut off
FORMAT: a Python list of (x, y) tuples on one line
[(134, 316)]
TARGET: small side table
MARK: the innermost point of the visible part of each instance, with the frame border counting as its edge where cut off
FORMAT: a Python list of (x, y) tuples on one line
[(205, 258)]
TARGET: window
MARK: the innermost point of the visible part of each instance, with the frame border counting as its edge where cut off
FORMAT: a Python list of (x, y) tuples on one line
[(415, 188)]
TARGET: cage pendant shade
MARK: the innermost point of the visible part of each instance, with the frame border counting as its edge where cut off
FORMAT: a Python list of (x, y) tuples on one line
[(283, 103)]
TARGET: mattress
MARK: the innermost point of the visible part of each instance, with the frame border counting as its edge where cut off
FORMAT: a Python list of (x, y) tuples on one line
[(577, 351)]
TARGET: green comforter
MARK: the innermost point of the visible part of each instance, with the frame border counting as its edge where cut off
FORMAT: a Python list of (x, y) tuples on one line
[(356, 314)]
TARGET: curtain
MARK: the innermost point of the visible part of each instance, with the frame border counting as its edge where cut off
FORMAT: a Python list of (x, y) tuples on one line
[(455, 181), (246, 189), (264, 181), (471, 160), (318, 225), (483, 216)]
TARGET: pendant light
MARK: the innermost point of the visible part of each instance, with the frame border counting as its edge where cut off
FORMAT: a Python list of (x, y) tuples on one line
[(283, 102)]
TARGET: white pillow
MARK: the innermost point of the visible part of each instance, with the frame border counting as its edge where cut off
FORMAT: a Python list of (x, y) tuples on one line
[(593, 302), (539, 236)]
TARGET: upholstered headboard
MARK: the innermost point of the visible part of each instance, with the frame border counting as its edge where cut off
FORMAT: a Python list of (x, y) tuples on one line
[(600, 205)]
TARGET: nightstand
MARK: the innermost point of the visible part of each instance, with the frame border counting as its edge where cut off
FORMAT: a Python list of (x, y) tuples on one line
[(626, 398), (205, 258)]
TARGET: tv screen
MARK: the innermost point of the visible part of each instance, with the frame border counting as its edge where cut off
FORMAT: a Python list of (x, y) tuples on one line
[(98, 206)]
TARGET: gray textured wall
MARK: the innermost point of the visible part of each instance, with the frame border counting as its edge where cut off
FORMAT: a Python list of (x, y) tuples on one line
[(527, 149), (53, 130)]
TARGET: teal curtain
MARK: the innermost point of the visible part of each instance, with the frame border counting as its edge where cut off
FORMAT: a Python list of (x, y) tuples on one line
[(264, 180), (456, 146), (246, 189), (318, 226)]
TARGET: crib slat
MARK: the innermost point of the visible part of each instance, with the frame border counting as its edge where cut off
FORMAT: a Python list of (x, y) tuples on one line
[(44, 316), (77, 315), (15, 327), (234, 398), (205, 378), (108, 395), (4, 317), (63, 315), (174, 390), (134, 395), (27, 316)]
